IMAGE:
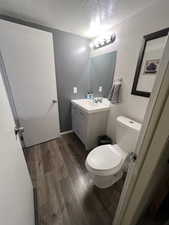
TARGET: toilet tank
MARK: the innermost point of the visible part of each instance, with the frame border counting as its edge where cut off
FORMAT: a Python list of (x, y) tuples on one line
[(127, 132)]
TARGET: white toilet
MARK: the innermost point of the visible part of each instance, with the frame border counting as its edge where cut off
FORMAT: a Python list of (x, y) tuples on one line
[(106, 163)]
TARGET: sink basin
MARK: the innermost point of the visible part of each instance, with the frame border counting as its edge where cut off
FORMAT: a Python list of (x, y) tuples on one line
[(90, 106)]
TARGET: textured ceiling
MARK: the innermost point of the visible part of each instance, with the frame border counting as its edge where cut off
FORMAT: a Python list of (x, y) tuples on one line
[(87, 18)]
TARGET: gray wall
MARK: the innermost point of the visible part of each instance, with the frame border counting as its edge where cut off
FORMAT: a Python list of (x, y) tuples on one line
[(71, 61), (71, 58), (102, 69)]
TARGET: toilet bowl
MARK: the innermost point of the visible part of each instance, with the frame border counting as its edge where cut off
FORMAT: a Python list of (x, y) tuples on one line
[(106, 163)]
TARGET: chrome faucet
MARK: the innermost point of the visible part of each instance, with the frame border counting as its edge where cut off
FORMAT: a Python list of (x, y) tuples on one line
[(98, 99)]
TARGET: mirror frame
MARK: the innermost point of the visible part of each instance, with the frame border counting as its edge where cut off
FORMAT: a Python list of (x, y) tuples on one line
[(146, 38)]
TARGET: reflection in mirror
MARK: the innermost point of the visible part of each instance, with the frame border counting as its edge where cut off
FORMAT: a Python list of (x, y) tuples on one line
[(101, 70)]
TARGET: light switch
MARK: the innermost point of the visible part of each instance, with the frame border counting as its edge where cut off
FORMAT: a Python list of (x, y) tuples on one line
[(100, 88), (74, 90)]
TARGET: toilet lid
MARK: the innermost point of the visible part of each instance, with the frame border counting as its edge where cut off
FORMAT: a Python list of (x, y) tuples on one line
[(104, 157)]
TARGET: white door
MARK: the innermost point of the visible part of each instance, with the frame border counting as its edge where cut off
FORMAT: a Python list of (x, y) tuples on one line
[(16, 191), (29, 59)]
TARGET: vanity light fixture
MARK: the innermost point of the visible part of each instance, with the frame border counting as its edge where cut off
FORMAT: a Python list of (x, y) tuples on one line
[(103, 41)]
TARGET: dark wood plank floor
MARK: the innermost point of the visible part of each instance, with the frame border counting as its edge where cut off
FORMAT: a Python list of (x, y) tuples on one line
[(66, 194)]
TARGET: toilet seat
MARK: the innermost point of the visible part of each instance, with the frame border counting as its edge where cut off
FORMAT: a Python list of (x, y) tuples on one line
[(105, 160)]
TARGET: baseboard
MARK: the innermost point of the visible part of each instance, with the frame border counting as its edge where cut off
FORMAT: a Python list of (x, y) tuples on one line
[(66, 132), (35, 206), (42, 142)]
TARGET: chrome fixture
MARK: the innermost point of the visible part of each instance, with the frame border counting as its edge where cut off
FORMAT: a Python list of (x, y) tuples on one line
[(98, 99), (19, 131), (103, 41), (54, 101)]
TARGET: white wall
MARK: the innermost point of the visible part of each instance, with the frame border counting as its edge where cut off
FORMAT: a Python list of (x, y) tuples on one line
[(128, 43)]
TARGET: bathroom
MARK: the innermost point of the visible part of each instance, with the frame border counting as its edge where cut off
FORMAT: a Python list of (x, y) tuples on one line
[(76, 135)]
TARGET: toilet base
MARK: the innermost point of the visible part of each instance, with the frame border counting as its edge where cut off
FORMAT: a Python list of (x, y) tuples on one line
[(106, 181)]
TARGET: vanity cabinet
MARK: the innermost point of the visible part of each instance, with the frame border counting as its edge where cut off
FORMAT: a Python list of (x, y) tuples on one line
[(88, 125)]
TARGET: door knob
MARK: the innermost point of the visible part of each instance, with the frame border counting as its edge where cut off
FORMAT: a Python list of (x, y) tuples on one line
[(18, 131), (54, 101), (132, 157)]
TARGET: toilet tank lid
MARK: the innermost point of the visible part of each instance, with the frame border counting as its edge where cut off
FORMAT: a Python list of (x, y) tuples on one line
[(129, 122)]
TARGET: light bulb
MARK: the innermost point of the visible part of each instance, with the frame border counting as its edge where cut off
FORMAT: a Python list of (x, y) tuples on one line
[(91, 45)]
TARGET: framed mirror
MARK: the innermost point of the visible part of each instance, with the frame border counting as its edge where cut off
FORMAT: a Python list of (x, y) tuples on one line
[(148, 62)]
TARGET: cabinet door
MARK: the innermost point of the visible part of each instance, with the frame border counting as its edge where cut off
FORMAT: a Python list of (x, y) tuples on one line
[(75, 120), (79, 121), (82, 125)]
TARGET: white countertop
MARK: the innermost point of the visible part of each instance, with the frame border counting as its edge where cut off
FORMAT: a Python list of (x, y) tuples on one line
[(89, 106)]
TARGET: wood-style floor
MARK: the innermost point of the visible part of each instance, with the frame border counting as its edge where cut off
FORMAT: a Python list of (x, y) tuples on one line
[(65, 192)]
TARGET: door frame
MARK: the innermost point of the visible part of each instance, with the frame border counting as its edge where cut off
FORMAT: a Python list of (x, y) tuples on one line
[(127, 213), (158, 155)]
